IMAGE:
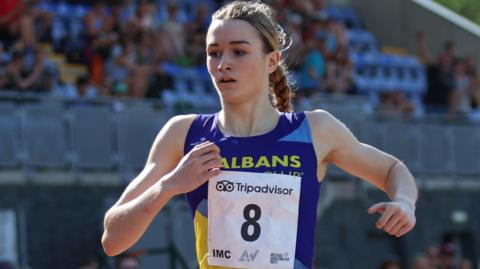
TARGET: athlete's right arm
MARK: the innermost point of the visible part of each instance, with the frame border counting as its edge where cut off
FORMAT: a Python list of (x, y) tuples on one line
[(167, 173)]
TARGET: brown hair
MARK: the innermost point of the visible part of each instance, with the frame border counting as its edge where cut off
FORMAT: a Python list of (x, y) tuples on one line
[(259, 15)]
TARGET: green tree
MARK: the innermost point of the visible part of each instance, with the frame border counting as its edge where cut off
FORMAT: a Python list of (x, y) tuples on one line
[(470, 9)]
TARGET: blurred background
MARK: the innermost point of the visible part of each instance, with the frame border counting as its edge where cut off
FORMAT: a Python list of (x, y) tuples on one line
[(86, 85)]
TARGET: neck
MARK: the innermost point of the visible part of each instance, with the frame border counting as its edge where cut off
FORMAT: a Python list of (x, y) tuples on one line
[(248, 119)]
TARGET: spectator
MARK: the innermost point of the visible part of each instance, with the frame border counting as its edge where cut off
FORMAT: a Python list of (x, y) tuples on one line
[(339, 75), (16, 23), (461, 99), (197, 30), (17, 75), (471, 71), (421, 262), (439, 76), (144, 19), (47, 71), (173, 32), (98, 21), (432, 253), (127, 261), (201, 20), (395, 104), (122, 13), (447, 256), (312, 71), (160, 79), (121, 64), (100, 38), (142, 66), (85, 88), (42, 20)]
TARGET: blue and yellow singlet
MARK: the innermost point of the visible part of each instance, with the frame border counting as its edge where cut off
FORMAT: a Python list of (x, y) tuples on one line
[(287, 149)]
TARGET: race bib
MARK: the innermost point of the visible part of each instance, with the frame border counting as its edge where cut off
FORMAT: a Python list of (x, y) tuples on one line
[(252, 220)]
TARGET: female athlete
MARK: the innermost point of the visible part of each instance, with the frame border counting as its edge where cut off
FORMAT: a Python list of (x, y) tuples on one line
[(267, 211)]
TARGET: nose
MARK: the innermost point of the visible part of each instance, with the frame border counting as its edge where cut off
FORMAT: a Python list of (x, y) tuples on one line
[(224, 63)]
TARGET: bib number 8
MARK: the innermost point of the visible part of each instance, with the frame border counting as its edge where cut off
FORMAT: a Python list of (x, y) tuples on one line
[(251, 221)]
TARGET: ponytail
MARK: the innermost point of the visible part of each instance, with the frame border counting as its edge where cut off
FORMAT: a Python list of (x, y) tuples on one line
[(282, 92)]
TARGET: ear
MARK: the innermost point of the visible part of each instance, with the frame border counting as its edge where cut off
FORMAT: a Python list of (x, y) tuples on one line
[(273, 58)]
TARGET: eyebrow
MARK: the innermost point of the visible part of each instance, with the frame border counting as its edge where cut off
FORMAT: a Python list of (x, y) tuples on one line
[(235, 42)]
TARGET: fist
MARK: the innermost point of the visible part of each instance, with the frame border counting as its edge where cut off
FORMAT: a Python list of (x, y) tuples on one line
[(397, 218), (195, 168)]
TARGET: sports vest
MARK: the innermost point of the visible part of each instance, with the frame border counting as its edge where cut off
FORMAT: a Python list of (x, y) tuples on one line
[(287, 149)]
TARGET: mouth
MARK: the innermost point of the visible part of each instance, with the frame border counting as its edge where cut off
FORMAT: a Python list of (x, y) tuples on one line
[(227, 80)]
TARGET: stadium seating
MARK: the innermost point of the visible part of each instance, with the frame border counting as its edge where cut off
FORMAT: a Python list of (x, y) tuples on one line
[(46, 136), (361, 41), (345, 15), (93, 137), (137, 128), (377, 72), (10, 137)]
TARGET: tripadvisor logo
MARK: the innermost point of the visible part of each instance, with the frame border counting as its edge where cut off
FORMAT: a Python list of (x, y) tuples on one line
[(224, 185), (228, 186)]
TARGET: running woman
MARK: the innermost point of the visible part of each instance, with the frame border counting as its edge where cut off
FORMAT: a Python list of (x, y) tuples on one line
[(252, 172)]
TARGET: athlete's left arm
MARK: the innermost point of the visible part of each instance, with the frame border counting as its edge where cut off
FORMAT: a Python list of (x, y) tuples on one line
[(377, 167)]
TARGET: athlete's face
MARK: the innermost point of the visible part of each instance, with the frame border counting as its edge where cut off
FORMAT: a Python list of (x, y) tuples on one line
[(237, 62)]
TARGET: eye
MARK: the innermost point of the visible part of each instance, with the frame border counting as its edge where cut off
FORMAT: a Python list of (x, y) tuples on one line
[(239, 52), (214, 54)]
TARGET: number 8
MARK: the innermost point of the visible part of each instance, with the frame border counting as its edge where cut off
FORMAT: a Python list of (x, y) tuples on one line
[(257, 212)]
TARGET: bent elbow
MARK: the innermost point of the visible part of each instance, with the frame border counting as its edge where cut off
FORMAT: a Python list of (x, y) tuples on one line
[(109, 247)]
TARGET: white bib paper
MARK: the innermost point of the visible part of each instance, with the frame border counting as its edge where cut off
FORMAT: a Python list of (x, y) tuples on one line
[(252, 220)]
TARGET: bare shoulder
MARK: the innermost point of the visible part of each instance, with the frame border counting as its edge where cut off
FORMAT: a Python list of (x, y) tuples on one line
[(328, 134), (180, 122), (171, 138), (177, 127), (324, 124)]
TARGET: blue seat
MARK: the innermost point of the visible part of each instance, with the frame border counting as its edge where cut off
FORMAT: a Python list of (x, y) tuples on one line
[(137, 128), (361, 41), (334, 13), (64, 10), (352, 18), (172, 69), (79, 11), (375, 73), (46, 6), (93, 141), (59, 30), (46, 136)]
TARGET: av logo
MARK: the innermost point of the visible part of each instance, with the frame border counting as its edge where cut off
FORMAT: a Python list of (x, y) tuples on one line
[(248, 257)]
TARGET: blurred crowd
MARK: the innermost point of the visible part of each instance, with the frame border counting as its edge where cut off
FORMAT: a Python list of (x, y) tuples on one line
[(453, 81), (127, 45), (444, 256), (137, 48)]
